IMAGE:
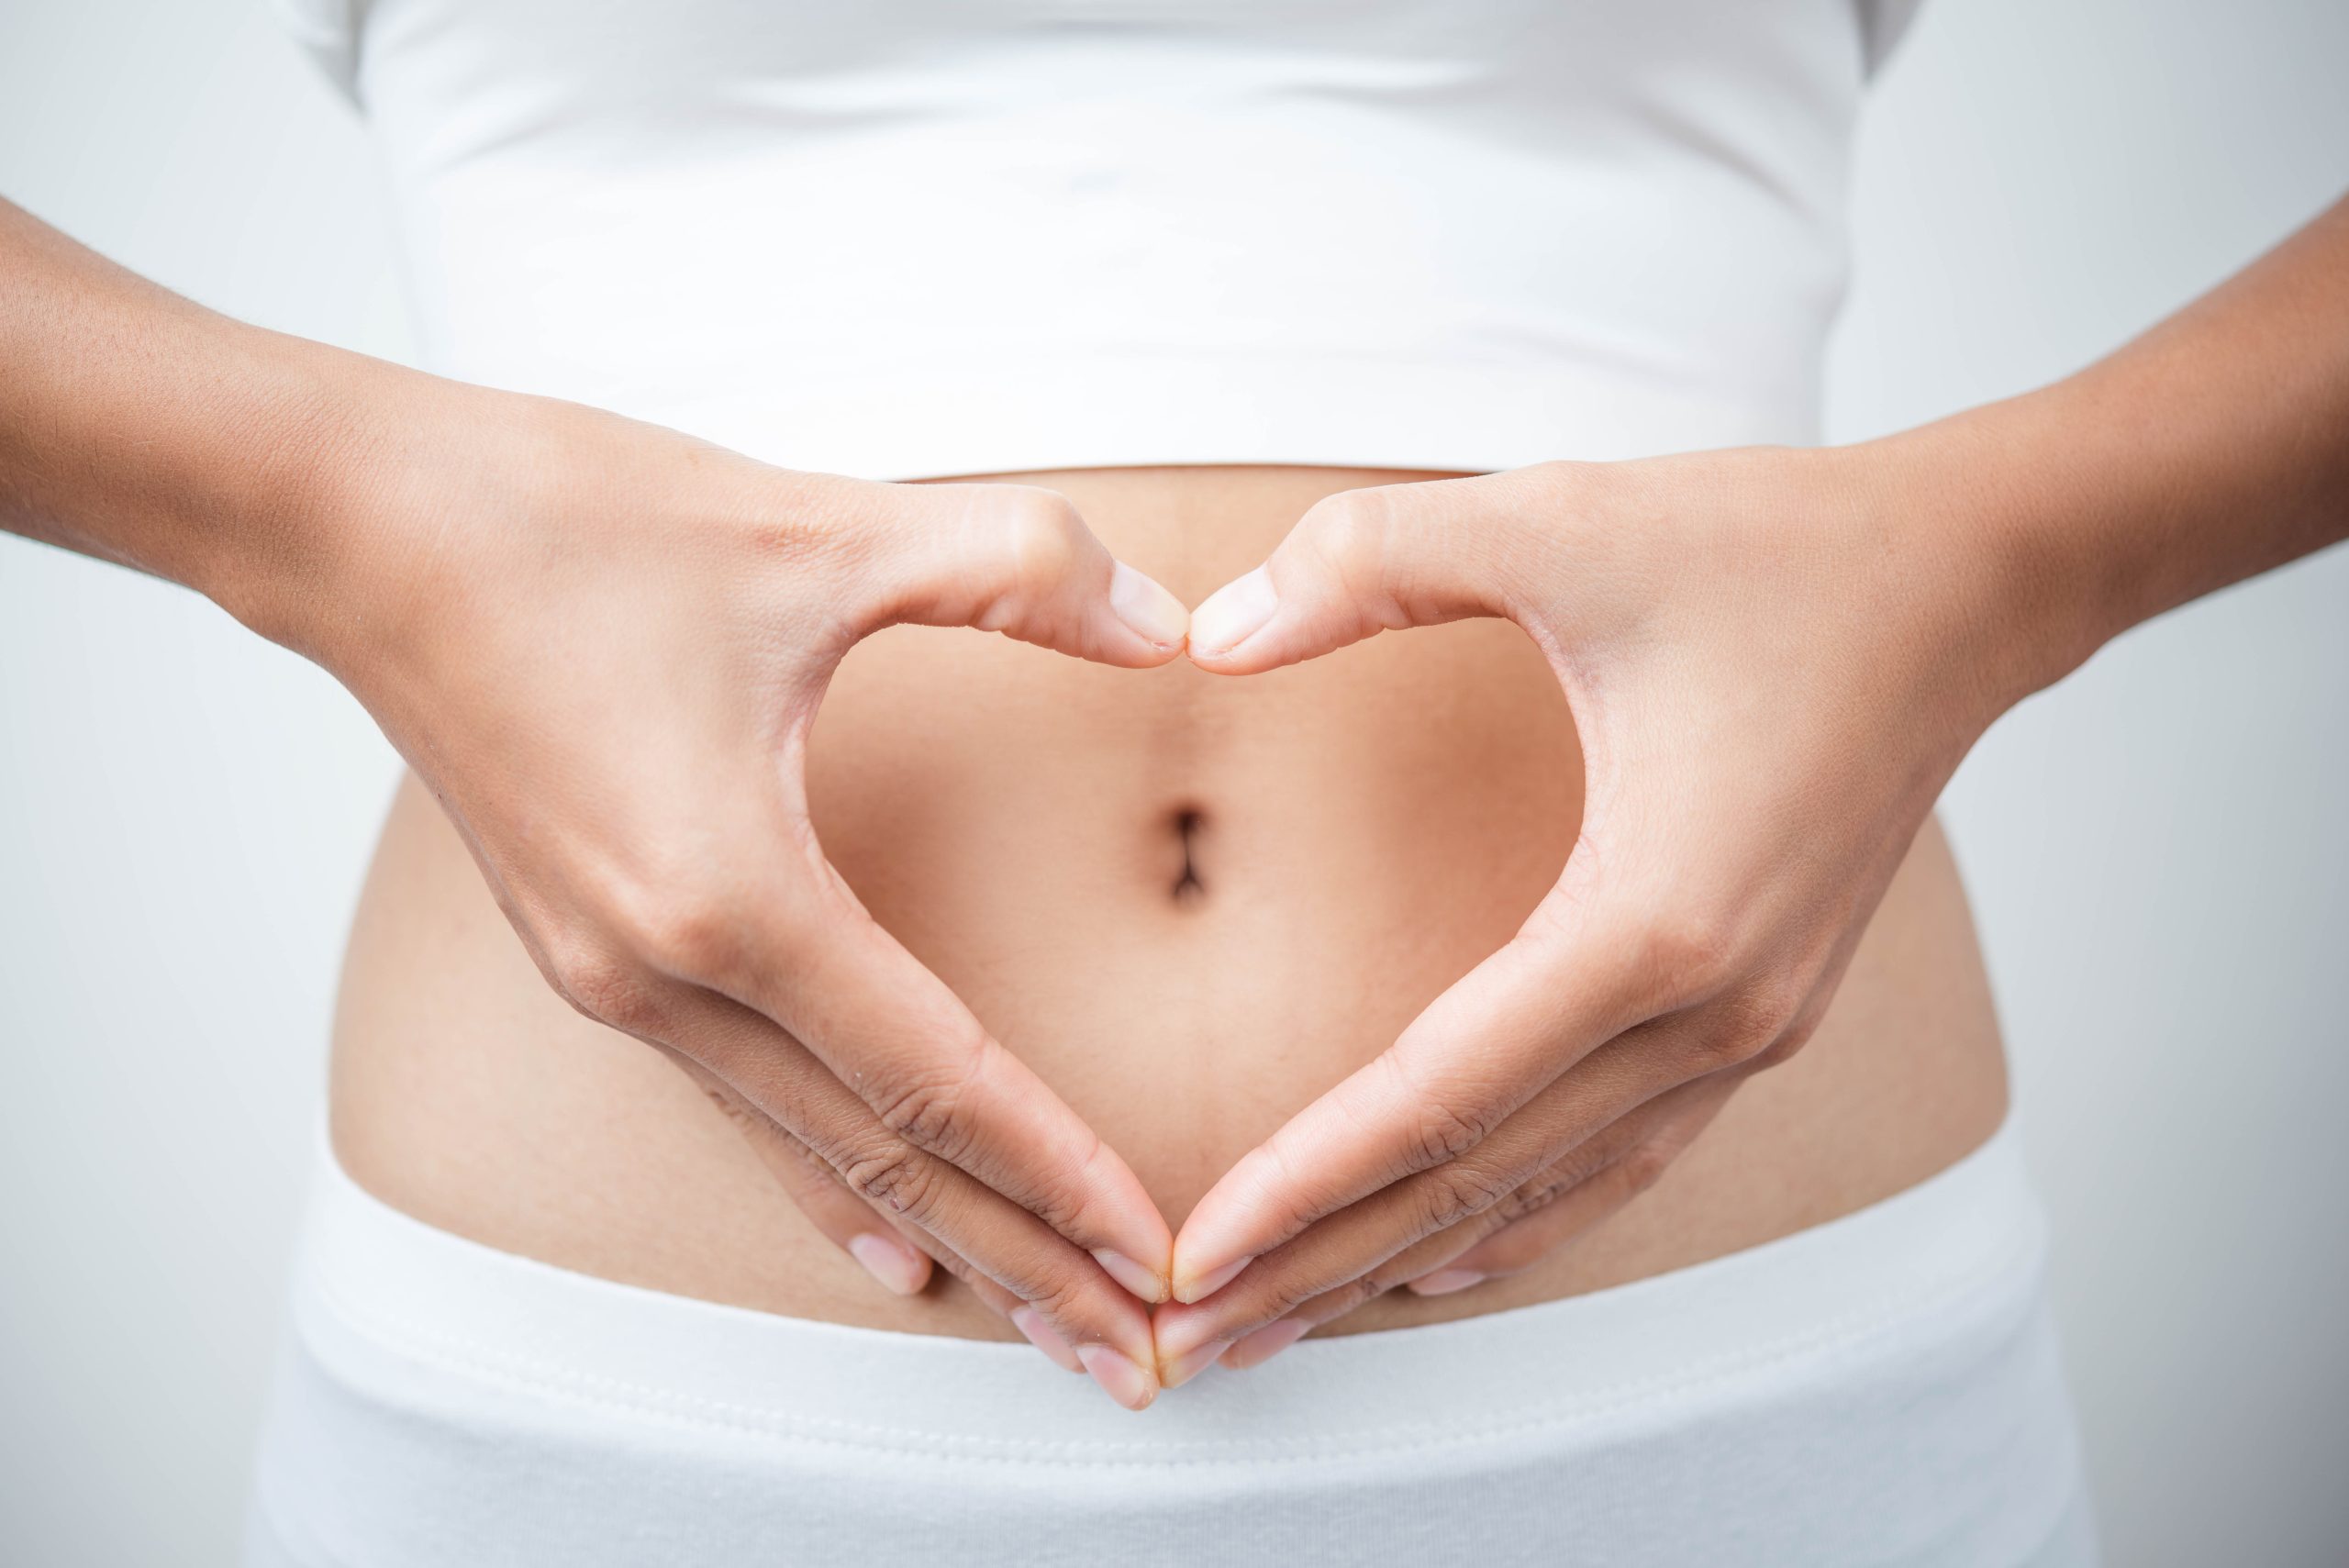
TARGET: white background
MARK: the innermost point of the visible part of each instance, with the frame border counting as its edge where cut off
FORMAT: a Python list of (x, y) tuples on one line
[(2157, 849)]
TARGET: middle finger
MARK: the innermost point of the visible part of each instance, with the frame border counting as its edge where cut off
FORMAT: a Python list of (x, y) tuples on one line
[(1611, 1083)]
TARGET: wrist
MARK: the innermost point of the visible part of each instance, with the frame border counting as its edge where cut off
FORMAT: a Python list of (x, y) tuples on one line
[(418, 502), (352, 547), (285, 538), (1990, 499)]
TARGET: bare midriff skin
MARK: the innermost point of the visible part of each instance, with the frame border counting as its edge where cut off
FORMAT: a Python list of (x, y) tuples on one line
[(1191, 903)]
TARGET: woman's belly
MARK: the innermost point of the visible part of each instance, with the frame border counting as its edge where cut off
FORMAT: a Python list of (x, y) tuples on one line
[(1191, 903)]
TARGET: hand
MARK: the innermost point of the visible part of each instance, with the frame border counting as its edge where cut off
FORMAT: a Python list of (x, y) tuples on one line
[(1774, 664), (602, 646)]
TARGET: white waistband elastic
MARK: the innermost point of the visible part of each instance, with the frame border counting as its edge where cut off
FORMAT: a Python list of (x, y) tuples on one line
[(1881, 1390), (1972, 1228)]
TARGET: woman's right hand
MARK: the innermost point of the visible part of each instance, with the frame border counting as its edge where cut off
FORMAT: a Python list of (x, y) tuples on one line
[(602, 645)]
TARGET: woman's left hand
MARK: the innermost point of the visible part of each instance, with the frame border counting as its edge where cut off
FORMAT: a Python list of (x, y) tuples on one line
[(1774, 658)]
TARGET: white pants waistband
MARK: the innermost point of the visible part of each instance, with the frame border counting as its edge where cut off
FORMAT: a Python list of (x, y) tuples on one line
[(1882, 1388)]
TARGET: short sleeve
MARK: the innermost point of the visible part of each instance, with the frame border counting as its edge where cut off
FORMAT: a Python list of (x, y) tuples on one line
[(328, 31)]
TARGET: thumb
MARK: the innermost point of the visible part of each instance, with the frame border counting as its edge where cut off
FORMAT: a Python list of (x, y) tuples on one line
[(1357, 564), (1017, 558)]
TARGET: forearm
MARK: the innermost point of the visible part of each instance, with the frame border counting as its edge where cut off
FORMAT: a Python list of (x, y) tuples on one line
[(140, 427), (2213, 448)]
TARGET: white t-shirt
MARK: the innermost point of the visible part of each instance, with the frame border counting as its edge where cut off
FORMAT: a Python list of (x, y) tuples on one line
[(913, 238)]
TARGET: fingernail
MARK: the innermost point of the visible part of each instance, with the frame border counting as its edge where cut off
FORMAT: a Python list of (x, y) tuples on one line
[(1256, 1349), (1119, 1378), (1234, 613), (1192, 1362), (1205, 1286), (1147, 1284), (1152, 612), (1443, 1282), (890, 1260), (1045, 1337)]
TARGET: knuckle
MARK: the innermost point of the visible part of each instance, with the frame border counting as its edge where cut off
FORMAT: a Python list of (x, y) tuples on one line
[(899, 1178), (1357, 1293), (1679, 958), (929, 1107), (697, 939), (1446, 1132), (673, 909), (928, 1116), (1067, 1210), (1061, 1296), (1727, 1043), (603, 987), (1539, 1194), (1789, 1040), (1460, 1191), (1749, 1027), (1775, 999), (1281, 1296), (1026, 543), (1347, 534), (1043, 539)]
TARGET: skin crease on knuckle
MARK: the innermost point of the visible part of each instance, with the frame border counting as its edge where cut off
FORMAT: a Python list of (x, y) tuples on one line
[(926, 1104), (1190, 903), (1041, 542), (1460, 1191), (1443, 1133), (1347, 548), (899, 1178)]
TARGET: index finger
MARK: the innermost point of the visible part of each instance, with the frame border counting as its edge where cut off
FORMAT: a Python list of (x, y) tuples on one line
[(1569, 981), (1006, 1254), (905, 1044)]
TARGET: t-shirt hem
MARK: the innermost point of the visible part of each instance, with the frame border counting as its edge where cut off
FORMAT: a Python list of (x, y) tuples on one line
[(943, 416)]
